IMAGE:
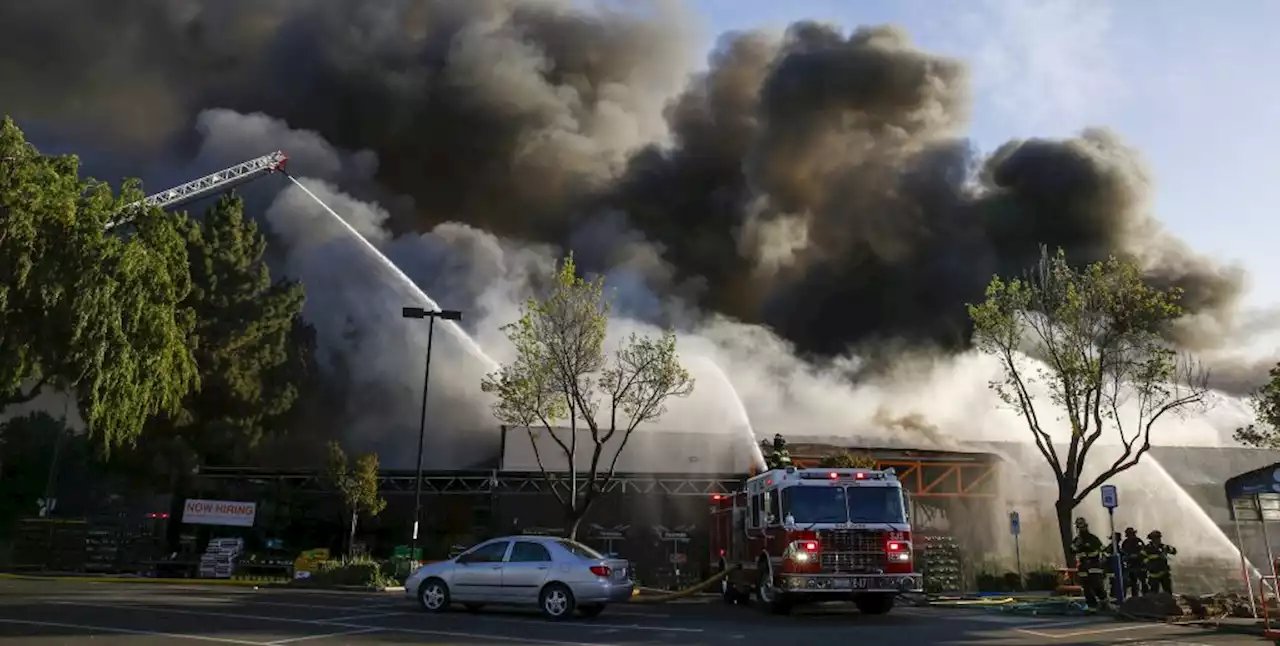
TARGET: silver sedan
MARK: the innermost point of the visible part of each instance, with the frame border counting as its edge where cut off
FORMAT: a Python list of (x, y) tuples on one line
[(557, 574)]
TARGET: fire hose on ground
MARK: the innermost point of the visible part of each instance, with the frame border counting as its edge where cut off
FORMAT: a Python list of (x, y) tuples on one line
[(681, 594)]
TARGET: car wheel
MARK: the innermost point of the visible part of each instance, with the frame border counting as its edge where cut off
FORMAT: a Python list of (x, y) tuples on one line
[(556, 602), (433, 595), (592, 610), (473, 607)]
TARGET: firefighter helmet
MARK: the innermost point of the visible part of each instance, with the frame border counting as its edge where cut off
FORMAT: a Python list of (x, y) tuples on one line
[(1154, 535), (1082, 523), (1129, 531)]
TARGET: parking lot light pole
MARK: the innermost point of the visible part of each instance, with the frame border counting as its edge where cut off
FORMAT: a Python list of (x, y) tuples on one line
[(431, 315)]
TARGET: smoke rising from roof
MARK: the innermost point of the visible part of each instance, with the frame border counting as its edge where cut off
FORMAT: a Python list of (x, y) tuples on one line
[(818, 184)]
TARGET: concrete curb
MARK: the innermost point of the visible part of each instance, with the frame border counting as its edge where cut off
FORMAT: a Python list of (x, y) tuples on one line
[(140, 579), (234, 583)]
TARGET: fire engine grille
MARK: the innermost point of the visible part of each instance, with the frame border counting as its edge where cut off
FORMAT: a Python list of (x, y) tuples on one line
[(853, 551)]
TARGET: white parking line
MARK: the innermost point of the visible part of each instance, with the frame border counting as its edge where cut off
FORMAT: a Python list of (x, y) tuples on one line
[(596, 624), (373, 616), (304, 638), (125, 631), (338, 624), (1082, 633)]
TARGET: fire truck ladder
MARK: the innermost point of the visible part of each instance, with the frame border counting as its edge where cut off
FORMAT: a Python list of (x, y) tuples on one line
[(218, 182)]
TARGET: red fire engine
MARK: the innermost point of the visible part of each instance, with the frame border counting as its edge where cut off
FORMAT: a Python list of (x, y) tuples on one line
[(801, 535)]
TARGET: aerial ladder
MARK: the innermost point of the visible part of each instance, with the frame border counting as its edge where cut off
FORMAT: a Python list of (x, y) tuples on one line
[(211, 184)]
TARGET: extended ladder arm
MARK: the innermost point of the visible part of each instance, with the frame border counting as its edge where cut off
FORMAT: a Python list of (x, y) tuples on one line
[(218, 182)]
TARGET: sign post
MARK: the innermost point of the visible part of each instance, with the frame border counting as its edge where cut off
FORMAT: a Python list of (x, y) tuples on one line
[(1015, 528), (1111, 500)]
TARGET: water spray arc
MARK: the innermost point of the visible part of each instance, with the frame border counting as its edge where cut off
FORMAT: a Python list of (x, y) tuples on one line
[(277, 162), (456, 330), (1186, 501), (744, 420)]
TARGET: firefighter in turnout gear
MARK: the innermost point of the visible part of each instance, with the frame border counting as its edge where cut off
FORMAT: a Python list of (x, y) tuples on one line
[(1090, 559), (1135, 567), (780, 457), (1155, 557)]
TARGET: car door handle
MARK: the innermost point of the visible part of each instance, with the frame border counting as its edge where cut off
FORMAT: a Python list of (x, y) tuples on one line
[(542, 567)]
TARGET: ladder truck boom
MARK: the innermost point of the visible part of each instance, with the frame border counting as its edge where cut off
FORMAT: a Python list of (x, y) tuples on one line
[(218, 182)]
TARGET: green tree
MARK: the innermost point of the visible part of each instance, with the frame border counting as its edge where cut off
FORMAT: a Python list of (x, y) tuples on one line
[(357, 485), (82, 310), (847, 460), (562, 377), (248, 343), (1264, 432), (1096, 331)]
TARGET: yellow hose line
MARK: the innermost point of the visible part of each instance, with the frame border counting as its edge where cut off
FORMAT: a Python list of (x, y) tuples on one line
[(680, 594)]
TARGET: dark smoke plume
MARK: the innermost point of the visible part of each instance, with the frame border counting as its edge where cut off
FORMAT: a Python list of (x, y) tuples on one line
[(819, 183)]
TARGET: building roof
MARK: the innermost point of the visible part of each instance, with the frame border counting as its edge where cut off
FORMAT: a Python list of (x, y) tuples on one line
[(647, 451)]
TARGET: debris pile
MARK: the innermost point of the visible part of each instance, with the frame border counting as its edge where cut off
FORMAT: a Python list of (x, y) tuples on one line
[(1153, 605), (1218, 605)]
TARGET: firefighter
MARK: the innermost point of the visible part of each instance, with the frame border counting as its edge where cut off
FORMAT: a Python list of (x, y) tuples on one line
[(1135, 571), (780, 458), (1090, 557), (1156, 559)]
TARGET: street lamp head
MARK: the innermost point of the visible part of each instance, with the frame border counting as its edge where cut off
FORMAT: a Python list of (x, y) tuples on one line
[(422, 313)]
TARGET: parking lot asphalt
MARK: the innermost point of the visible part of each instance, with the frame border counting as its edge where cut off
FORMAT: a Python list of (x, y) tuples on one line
[(44, 613)]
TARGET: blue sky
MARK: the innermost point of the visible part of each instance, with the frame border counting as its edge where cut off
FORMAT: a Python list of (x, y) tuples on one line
[(1192, 84)]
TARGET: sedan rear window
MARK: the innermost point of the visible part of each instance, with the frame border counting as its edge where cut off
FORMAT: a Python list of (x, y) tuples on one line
[(579, 550)]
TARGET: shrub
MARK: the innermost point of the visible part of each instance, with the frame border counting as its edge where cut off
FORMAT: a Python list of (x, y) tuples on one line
[(1038, 580), (360, 571)]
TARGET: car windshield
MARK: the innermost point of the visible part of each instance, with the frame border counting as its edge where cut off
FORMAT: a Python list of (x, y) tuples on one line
[(844, 504), (579, 550)]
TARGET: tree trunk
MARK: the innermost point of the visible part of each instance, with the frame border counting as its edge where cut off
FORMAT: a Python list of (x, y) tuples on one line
[(1064, 506), (351, 538), (573, 519)]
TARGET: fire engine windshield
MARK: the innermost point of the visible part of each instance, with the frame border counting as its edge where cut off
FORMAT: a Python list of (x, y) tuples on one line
[(843, 504)]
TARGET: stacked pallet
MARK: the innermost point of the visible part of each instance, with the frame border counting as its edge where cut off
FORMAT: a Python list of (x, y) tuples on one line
[(219, 558), (940, 564)]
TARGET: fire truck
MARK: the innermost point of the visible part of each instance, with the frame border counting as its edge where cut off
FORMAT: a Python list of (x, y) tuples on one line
[(799, 535)]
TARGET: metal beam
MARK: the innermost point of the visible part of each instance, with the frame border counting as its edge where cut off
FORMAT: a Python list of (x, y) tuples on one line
[(486, 482)]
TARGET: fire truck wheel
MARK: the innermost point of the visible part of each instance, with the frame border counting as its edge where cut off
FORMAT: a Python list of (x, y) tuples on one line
[(556, 602), (874, 604), (769, 595)]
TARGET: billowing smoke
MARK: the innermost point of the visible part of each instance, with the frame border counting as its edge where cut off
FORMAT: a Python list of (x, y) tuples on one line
[(811, 195)]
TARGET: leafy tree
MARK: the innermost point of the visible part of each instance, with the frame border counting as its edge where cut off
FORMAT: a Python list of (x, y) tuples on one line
[(1097, 332), (847, 460), (249, 342), (82, 310), (1264, 432), (561, 376), (357, 484)]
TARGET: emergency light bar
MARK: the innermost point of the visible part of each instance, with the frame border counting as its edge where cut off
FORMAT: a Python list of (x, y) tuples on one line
[(840, 474)]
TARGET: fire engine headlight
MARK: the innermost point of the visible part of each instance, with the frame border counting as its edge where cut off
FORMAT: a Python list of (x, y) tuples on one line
[(899, 557), (803, 551)]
